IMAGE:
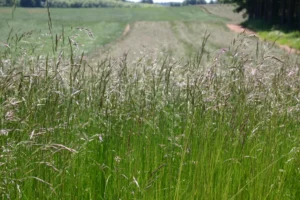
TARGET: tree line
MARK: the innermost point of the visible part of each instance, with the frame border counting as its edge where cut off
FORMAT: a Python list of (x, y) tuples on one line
[(6, 2), (71, 3), (283, 12), (80, 3), (22, 3)]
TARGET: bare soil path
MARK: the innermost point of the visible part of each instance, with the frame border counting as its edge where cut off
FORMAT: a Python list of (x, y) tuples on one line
[(239, 29)]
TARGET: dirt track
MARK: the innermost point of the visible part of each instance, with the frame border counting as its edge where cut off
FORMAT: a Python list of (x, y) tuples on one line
[(240, 29)]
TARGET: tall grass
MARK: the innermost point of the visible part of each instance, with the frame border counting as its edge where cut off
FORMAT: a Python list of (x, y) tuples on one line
[(153, 129)]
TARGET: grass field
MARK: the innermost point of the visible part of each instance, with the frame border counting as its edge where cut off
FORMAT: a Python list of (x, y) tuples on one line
[(203, 117), (225, 11), (105, 26)]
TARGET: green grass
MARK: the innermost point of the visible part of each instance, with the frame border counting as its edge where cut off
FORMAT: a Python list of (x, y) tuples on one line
[(278, 34), (291, 39), (107, 27), (153, 129)]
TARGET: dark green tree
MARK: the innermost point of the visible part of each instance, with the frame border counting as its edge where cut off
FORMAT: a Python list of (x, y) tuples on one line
[(30, 3), (194, 2), (224, 1), (6, 2), (147, 1), (284, 12), (9, 2)]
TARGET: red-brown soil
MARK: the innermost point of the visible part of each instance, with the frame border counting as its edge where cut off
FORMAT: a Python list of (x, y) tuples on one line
[(240, 29)]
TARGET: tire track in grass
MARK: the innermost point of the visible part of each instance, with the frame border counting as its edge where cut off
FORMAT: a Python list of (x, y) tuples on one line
[(145, 39)]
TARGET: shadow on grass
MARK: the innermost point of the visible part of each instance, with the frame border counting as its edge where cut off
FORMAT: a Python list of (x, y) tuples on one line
[(260, 25)]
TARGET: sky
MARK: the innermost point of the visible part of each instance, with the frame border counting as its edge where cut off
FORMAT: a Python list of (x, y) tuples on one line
[(165, 1)]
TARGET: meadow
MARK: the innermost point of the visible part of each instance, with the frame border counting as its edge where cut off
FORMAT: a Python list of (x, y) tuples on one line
[(218, 124), (106, 24)]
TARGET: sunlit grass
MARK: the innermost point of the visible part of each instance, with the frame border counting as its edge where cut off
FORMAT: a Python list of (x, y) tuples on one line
[(291, 39)]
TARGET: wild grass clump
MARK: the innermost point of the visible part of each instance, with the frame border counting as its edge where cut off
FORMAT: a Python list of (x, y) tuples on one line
[(152, 129)]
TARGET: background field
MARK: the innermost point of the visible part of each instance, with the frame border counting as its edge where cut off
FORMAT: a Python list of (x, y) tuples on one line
[(179, 31), (105, 25), (166, 103)]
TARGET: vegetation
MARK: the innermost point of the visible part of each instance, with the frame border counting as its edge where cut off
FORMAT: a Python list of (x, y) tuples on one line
[(291, 39), (225, 1), (147, 1), (283, 12), (30, 3), (194, 2), (279, 34), (6, 2), (70, 3), (226, 11), (107, 27), (152, 129), (90, 4)]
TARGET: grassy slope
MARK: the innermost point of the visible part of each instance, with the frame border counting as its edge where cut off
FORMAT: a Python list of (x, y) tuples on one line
[(225, 11)]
